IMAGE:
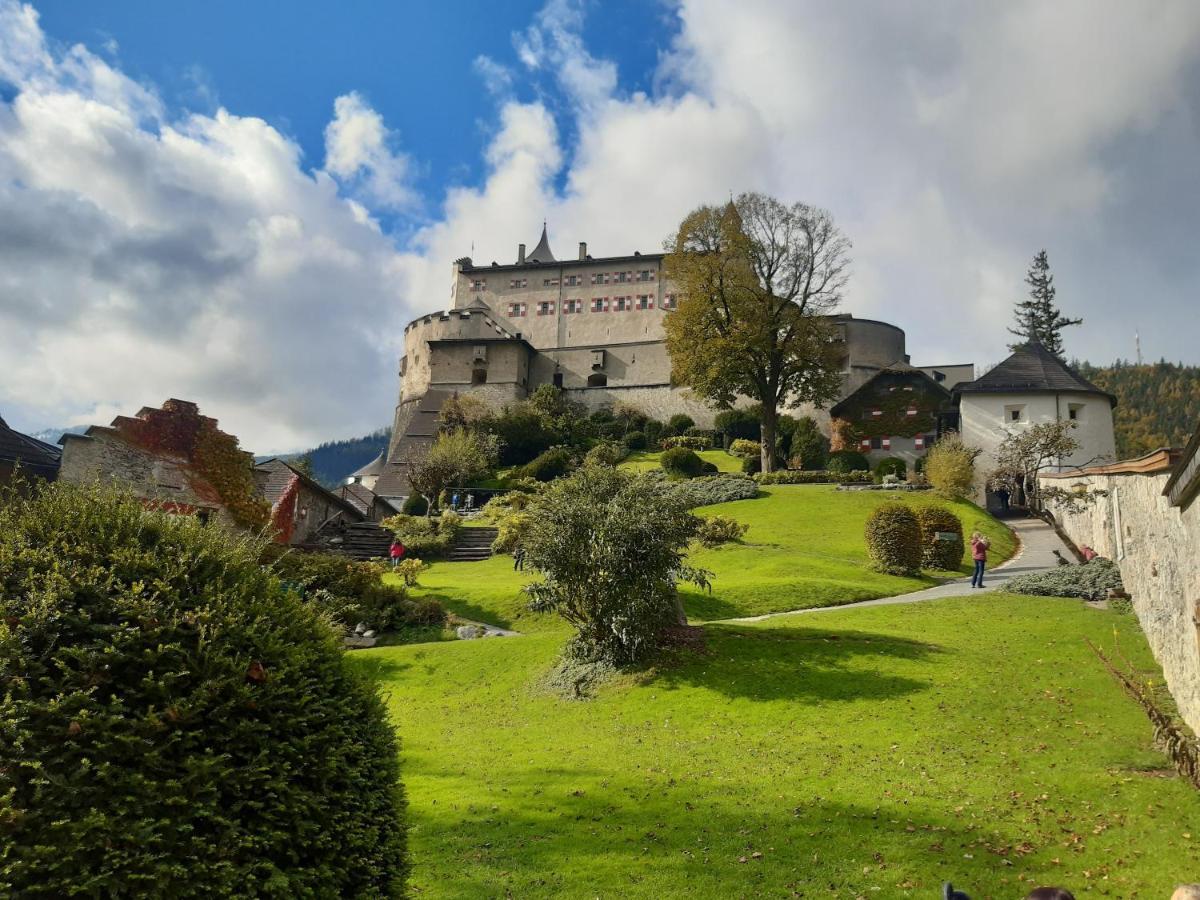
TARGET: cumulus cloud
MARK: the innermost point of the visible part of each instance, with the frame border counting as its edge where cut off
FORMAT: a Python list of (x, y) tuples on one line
[(145, 254)]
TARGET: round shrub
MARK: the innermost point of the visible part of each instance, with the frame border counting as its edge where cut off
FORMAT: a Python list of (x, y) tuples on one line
[(940, 554), (635, 440), (554, 463), (718, 530), (415, 505), (894, 539), (679, 423), (847, 461), (743, 447), (680, 462), (605, 453), (174, 722), (891, 465), (752, 465)]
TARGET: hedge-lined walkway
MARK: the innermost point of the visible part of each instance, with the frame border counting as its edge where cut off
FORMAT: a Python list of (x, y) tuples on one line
[(1038, 544)]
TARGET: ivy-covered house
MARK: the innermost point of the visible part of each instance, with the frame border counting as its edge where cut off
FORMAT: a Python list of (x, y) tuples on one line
[(899, 412)]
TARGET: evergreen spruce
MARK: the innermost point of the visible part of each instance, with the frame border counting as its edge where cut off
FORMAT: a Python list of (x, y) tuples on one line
[(1038, 319)]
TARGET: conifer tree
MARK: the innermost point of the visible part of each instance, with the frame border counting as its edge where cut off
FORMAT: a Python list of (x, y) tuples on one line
[(1038, 319)]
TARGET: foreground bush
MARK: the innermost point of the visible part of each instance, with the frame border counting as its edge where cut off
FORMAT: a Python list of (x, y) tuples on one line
[(940, 554), (894, 539), (610, 548), (1090, 581), (721, 530), (847, 461), (714, 489), (350, 591), (680, 462), (173, 722)]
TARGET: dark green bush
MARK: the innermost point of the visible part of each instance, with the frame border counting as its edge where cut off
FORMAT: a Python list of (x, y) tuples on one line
[(654, 431), (605, 453), (891, 465), (680, 462), (351, 591), (752, 465), (739, 423), (636, 440), (809, 444), (173, 722), (847, 461), (554, 463), (723, 488), (415, 505), (707, 468), (679, 423), (894, 539), (940, 554), (1089, 581)]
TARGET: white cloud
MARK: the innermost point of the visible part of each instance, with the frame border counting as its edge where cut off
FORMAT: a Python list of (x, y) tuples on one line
[(356, 150)]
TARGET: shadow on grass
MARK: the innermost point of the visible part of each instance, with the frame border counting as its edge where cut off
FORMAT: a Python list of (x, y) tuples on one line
[(583, 832), (466, 610), (805, 664)]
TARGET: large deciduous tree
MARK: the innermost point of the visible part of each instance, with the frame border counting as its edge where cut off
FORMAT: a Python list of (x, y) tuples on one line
[(1038, 318), (757, 280)]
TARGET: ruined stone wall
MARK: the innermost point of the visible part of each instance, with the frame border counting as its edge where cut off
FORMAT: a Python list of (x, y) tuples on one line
[(1156, 547)]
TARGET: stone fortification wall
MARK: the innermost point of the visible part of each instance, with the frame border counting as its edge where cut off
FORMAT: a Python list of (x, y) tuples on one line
[(1156, 546)]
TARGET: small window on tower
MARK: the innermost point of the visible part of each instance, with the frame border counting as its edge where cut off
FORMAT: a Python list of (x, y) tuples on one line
[(479, 376), (558, 379)]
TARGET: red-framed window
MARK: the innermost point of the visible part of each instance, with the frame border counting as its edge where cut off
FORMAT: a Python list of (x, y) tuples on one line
[(518, 282), (864, 444), (479, 284), (911, 411), (669, 302), (622, 277), (645, 275), (919, 442), (545, 308), (645, 301), (599, 304), (572, 306), (573, 280), (516, 310), (600, 277), (887, 443), (622, 304)]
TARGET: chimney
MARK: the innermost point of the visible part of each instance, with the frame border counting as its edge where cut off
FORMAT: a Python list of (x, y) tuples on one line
[(520, 253), (583, 249)]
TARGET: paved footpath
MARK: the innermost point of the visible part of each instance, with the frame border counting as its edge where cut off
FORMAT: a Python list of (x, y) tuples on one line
[(1038, 543)]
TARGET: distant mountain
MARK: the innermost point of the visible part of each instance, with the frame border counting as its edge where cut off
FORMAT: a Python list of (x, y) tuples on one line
[(334, 460), (51, 435), (1158, 405)]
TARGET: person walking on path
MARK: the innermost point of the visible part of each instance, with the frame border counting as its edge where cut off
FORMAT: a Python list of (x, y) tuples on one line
[(979, 549), (396, 552)]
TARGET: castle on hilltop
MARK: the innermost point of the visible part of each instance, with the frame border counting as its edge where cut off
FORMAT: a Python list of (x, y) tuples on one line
[(592, 326)]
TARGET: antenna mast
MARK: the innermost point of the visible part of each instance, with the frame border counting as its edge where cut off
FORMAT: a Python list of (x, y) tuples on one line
[(1137, 342)]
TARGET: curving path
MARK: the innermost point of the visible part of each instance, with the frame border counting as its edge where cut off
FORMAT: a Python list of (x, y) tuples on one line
[(1038, 543)]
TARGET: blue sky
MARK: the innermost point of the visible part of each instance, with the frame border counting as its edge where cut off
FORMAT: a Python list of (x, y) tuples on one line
[(243, 204)]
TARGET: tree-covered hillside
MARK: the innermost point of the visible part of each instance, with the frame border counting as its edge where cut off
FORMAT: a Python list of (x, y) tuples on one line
[(334, 460), (1158, 404)]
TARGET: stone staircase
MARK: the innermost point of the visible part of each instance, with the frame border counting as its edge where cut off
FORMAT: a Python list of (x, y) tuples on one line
[(365, 540), (473, 544)]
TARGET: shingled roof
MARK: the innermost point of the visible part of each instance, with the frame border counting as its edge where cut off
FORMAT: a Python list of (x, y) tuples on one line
[(868, 388), (29, 452), (541, 253), (280, 475), (1032, 369)]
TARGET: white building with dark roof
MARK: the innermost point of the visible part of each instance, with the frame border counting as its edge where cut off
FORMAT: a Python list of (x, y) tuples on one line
[(1030, 387)]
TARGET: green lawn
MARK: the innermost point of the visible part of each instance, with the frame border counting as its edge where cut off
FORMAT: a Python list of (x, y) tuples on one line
[(648, 460), (804, 548), (860, 753)]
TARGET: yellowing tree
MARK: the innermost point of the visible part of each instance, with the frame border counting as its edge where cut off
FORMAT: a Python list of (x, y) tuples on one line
[(757, 281)]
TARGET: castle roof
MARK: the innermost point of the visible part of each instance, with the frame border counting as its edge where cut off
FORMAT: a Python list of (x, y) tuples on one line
[(900, 367), (28, 451), (1032, 369), (541, 253), (374, 467)]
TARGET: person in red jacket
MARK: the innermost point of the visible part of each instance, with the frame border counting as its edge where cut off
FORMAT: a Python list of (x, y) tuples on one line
[(396, 552), (979, 549)]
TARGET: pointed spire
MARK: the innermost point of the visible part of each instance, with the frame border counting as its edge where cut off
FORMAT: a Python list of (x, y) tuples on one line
[(541, 253)]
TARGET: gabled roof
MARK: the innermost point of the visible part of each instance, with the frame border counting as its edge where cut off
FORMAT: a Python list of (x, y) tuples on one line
[(1032, 369), (541, 253), (897, 368), (28, 451), (364, 498), (280, 475)]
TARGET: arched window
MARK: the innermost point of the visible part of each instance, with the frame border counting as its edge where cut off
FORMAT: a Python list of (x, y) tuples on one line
[(597, 379)]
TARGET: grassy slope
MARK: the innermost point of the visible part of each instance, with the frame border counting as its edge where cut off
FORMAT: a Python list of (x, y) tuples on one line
[(868, 752), (646, 460), (804, 548)]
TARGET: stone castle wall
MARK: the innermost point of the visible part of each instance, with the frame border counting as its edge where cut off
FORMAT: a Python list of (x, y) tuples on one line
[(1155, 545)]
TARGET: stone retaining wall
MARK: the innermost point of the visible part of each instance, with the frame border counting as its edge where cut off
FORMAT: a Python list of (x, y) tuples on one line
[(1157, 547)]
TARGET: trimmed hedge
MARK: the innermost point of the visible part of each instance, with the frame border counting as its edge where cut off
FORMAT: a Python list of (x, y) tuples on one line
[(680, 462), (798, 476), (1089, 581), (894, 539), (752, 465), (743, 447), (689, 441), (847, 461), (716, 489), (679, 423), (176, 724), (940, 554), (415, 505)]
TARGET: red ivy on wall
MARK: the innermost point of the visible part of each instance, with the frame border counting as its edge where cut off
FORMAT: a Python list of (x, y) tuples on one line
[(283, 516)]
